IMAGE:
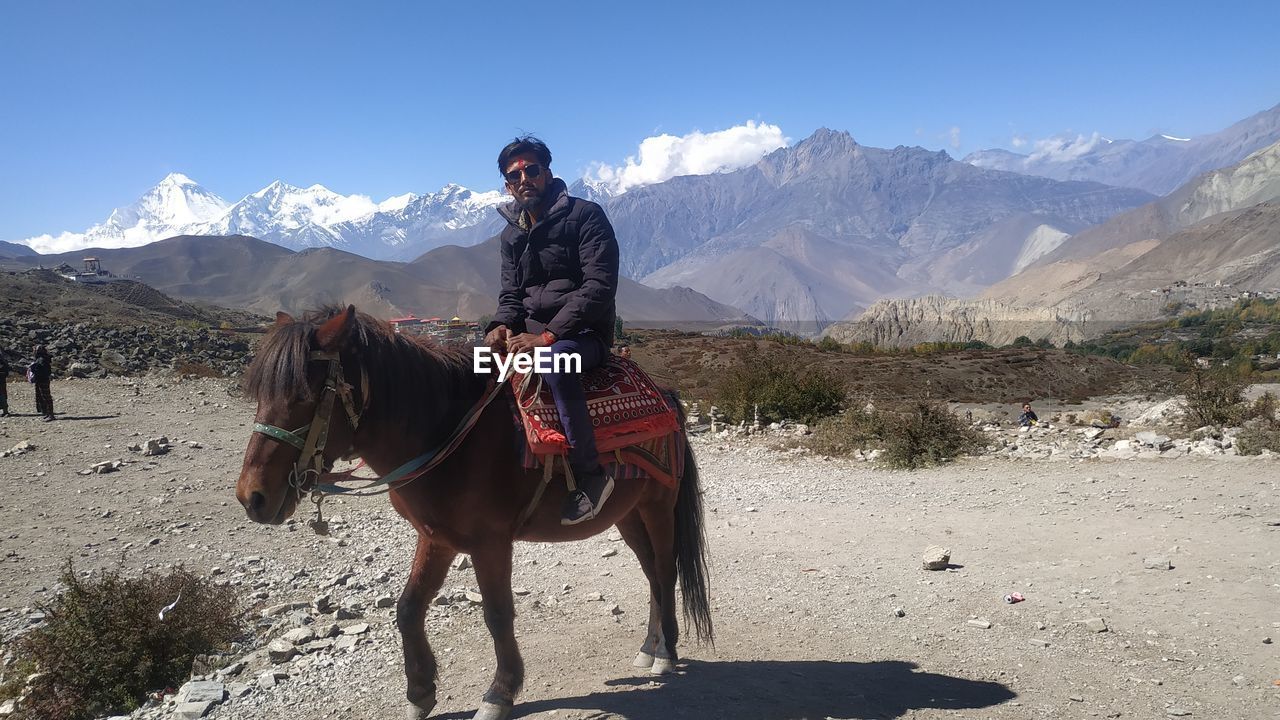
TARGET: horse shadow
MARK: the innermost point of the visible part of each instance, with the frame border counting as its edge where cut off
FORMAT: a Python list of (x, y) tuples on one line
[(778, 690)]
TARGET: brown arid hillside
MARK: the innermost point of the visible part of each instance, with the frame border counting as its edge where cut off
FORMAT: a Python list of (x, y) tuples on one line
[(46, 296), (243, 272), (694, 363)]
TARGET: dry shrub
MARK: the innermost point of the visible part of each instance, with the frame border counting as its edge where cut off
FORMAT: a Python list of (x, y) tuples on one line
[(1261, 427), (919, 434), (103, 646), (782, 391), (1214, 397)]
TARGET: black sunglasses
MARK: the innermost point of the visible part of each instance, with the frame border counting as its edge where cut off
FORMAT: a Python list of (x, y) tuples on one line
[(529, 171)]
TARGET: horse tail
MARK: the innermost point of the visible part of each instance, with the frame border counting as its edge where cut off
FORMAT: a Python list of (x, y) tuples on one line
[(691, 547)]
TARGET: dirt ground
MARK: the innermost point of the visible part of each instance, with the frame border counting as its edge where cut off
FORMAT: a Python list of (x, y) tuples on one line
[(810, 560)]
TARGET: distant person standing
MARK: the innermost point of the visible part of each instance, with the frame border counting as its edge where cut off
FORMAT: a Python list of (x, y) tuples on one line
[(41, 371), (4, 386)]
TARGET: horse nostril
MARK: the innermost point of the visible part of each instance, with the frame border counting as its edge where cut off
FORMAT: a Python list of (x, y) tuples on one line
[(256, 501)]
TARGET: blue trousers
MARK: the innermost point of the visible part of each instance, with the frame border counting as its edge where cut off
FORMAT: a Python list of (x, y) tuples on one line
[(571, 400)]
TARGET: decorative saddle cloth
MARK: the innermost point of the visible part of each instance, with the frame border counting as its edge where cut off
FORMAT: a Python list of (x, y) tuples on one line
[(635, 422)]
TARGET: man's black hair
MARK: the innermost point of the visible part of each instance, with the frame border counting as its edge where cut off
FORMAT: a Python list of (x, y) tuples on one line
[(521, 145)]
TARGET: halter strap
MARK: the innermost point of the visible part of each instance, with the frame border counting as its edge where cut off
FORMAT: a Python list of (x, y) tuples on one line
[(293, 438)]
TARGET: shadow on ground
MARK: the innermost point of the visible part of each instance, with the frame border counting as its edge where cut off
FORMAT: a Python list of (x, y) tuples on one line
[(778, 690)]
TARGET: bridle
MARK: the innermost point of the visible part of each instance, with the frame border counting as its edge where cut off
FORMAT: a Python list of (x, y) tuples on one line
[(311, 463)]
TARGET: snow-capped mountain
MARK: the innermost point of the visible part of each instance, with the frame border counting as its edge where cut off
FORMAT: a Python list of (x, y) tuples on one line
[(402, 226), (1159, 164), (175, 206)]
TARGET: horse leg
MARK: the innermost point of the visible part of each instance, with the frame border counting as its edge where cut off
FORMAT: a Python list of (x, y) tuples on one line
[(637, 538), (660, 525), (493, 573), (430, 566)]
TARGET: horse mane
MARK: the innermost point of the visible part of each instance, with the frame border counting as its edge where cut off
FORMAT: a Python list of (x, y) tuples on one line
[(412, 379)]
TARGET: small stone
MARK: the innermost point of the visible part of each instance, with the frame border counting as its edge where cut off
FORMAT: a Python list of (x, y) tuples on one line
[(609, 553), (1239, 680), (936, 557), (300, 636), (1097, 625), (984, 624), (1076, 698), (615, 610), (198, 691), (269, 678), (520, 590), (1177, 712), (1040, 643), (462, 562), (1157, 563), (281, 651), (1266, 641), (474, 597), (384, 601), (899, 612), (192, 710), (346, 642), (356, 629)]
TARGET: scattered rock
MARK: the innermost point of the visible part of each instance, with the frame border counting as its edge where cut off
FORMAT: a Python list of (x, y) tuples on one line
[(1096, 625), (936, 557), (984, 624), (1157, 563)]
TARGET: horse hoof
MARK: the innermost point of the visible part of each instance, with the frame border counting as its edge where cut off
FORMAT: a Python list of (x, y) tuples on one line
[(491, 711), (420, 710), (662, 666), (643, 660)]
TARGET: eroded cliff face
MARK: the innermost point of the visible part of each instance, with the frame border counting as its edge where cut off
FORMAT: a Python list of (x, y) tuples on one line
[(934, 318)]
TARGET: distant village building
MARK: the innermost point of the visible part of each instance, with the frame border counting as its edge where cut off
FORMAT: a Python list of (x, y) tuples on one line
[(451, 330)]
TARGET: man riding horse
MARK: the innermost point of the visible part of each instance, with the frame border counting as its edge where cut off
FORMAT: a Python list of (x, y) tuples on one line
[(559, 280)]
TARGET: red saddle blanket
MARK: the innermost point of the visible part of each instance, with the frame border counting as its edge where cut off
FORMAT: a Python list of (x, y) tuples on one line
[(625, 406)]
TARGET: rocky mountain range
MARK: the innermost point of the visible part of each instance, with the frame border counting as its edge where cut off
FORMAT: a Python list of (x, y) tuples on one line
[(1159, 164), (814, 231), (1200, 246)]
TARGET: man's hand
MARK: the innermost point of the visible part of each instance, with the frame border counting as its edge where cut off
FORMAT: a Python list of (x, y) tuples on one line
[(526, 342), (498, 338)]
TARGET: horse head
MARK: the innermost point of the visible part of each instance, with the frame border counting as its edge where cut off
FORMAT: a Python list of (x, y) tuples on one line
[(306, 417)]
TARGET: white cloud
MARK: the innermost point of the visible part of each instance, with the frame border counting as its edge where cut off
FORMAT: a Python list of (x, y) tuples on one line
[(663, 157), (1064, 148), (51, 245), (953, 137), (1018, 141)]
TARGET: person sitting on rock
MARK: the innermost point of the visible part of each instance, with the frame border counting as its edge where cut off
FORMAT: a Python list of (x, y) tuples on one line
[(1028, 417)]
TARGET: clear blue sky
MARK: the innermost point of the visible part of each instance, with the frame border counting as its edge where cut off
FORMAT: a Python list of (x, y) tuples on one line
[(99, 100)]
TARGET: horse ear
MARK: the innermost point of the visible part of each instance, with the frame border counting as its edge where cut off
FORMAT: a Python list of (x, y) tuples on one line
[(283, 318), (334, 332)]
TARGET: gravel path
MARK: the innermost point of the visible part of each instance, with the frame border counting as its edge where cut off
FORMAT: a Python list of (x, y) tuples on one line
[(822, 608)]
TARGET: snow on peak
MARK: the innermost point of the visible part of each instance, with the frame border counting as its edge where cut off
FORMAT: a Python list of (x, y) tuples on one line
[(1175, 139), (177, 179), (396, 203)]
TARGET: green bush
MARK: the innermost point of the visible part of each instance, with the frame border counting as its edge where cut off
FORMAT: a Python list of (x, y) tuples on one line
[(782, 391), (922, 433), (1213, 398), (103, 646)]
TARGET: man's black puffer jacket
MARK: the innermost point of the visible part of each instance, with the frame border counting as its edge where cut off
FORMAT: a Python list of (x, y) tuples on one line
[(562, 273)]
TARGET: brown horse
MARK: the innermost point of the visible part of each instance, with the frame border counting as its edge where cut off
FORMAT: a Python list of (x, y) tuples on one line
[(402, 397)]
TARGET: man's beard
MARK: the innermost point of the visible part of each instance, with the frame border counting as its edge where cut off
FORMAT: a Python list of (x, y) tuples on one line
[(531, 203)]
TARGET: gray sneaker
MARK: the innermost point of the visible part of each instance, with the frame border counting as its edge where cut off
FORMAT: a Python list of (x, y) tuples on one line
[(585, 503)]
